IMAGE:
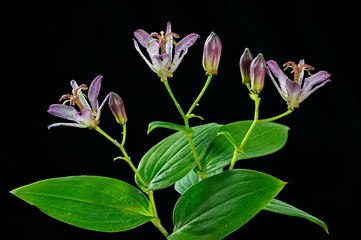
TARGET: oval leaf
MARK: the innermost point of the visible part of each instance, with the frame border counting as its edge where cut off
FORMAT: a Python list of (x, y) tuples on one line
[(278, 206), (90, 202), (172, 158), (219, 205), (266, 138)]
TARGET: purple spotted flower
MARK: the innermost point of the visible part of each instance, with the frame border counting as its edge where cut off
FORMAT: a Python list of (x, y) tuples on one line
[(89, 115), (297, 90), (160, 49)]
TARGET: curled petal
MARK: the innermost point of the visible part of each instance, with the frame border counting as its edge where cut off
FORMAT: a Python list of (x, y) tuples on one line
[(97, 117), (145, 59), (276, 84), (280, 75), (93, 93), (182, 47), (315, 79), (148, 42), (306, 94), (63, 111), (67, 125), (143, 37)]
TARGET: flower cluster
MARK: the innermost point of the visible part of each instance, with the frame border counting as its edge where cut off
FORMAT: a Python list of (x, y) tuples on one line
[(160, 49), (165, 56), (292, 91), (89, 114), (196, 170)]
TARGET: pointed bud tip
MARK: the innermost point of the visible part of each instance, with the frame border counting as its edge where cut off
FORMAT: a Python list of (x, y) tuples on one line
[(212, 54), (116, 105)]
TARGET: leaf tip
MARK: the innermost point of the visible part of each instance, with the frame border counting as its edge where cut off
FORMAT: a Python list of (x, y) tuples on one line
[(149, 130)]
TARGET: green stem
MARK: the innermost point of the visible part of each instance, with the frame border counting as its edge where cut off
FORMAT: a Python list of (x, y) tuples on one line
[(199, 96), (186, 123), (255, 120), (277, 117), (194, 152), (124, 133), (156, 221), (122, 149)]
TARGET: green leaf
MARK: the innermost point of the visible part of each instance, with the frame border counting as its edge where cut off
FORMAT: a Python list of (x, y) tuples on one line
[(167, 125), (219, 205), (266, 138), (190, 179), (90, 202), (278, 206), (172, 158)]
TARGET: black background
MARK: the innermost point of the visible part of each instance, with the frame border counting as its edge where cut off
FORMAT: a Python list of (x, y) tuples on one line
[(52, 42)]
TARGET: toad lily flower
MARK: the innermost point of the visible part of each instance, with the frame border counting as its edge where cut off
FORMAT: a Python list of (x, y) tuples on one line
[(160, 50), (89, 115), (294, 92)]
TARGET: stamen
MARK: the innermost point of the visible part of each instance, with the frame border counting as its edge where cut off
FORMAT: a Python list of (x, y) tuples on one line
[(162, 39), (298, 69), (74, 98)]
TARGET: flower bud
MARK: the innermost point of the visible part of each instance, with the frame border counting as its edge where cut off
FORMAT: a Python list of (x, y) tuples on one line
[(258, 72), (245, 64), (117, 106), (211, 54)]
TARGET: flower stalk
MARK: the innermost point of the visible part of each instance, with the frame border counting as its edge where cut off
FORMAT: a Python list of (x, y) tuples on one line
[(237, 152), (186, 124), (126, 158), (189, 113)]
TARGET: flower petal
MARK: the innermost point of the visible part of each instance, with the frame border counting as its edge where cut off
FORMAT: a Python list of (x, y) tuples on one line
[(294, 91), (182, 47), (169, 44), (276, 84), (162, 63), (93, 93), (67, 125), (63, 111), (306, 94), (145, 59), (300, 78), (143, 37), (101, 106), (314, 79), (85, 117), (148, 42), (280, 75)]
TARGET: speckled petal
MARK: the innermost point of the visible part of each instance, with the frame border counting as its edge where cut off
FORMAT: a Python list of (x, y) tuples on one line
[(293, 91), (85, 117), (93, 92), (162, 62), (181, 48), (315, 79), (280, 75), (63, 111)]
